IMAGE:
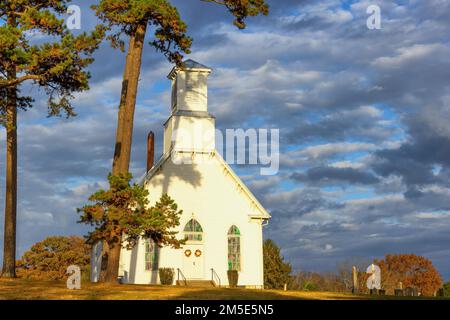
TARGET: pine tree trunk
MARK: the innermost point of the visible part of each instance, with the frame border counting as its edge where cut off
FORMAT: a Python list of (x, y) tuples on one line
[(124, 134), (9, 243)]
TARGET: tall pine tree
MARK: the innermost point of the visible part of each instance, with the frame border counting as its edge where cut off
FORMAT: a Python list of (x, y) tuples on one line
[(59, 67), (124, 209), (129, 20)]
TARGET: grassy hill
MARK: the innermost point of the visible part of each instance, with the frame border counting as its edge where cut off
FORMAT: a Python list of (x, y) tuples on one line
[(27, 289)]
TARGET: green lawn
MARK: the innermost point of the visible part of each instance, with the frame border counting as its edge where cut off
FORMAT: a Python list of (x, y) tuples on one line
[(27, 289)]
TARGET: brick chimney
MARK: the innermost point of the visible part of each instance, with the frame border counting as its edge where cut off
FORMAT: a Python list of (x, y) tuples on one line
[(150, 150)]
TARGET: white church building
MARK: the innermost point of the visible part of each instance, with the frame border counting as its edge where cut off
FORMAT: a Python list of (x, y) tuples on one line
[(222, 221)]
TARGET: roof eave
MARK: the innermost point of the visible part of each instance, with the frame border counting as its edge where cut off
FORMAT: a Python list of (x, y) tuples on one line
[(172, 74)]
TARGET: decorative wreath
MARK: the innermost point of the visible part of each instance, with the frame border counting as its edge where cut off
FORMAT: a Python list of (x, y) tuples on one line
[(198, 253), (187, 253)]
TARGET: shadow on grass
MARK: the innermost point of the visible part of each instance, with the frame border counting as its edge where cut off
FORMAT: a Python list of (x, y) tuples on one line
[(231, 294), (251, 294)]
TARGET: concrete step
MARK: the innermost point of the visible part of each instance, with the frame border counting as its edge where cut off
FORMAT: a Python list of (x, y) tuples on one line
[(196, 283)]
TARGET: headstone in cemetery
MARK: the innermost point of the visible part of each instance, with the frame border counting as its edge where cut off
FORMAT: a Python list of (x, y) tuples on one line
[(411, 292), (441, 292), (355, 279), (408, 292), (398, 292)]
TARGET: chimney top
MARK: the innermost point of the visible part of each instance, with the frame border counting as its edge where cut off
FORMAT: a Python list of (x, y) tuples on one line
[(150, 150)]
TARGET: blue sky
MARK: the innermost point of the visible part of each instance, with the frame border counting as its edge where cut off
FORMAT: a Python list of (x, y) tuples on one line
[(363, 118)]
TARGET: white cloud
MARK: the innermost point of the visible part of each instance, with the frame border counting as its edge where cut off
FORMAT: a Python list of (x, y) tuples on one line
[(408, 55), (325, 150)]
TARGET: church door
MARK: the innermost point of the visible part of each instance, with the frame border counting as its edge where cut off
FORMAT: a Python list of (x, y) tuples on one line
[(193, 261), (193, 250)]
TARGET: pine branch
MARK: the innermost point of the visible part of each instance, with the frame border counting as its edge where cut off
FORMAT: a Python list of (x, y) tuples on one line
[(17, 81)]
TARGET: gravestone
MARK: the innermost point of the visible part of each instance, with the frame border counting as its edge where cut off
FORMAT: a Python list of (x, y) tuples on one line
[(398, 292), (411, 292), (355, 279)]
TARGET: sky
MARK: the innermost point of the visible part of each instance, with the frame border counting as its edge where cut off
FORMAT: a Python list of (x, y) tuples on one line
[(363, 118)]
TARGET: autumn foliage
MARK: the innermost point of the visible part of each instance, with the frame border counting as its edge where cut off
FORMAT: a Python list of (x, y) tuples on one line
[(49, 259), (411, 270)]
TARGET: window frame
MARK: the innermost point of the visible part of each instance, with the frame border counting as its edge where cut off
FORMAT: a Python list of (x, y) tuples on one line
[(195, 234), (150, 256), (232, 236)]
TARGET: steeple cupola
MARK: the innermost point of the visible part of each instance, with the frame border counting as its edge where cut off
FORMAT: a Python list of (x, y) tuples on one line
[(190, 128), (189, 87)]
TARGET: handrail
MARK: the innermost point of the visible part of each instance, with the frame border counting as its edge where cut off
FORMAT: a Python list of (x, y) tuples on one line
[(178, 276), (215, 275)]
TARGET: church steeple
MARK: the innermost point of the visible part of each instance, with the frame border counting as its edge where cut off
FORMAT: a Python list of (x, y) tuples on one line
[(189, 86), (190, 128)]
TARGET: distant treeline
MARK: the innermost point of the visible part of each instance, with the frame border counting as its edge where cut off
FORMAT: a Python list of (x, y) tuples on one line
[(397, 271)]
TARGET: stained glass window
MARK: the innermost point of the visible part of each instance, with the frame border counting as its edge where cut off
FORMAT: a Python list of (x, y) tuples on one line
[(151, 255), (234, 248), (193, 231)]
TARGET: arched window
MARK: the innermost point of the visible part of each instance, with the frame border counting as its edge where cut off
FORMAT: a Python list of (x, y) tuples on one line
[(193, 231), (234, 248), (151, 255)]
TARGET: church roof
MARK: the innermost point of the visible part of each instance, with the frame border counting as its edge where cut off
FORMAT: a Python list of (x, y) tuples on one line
[(191, 64), (263, 212), (188, 64)]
